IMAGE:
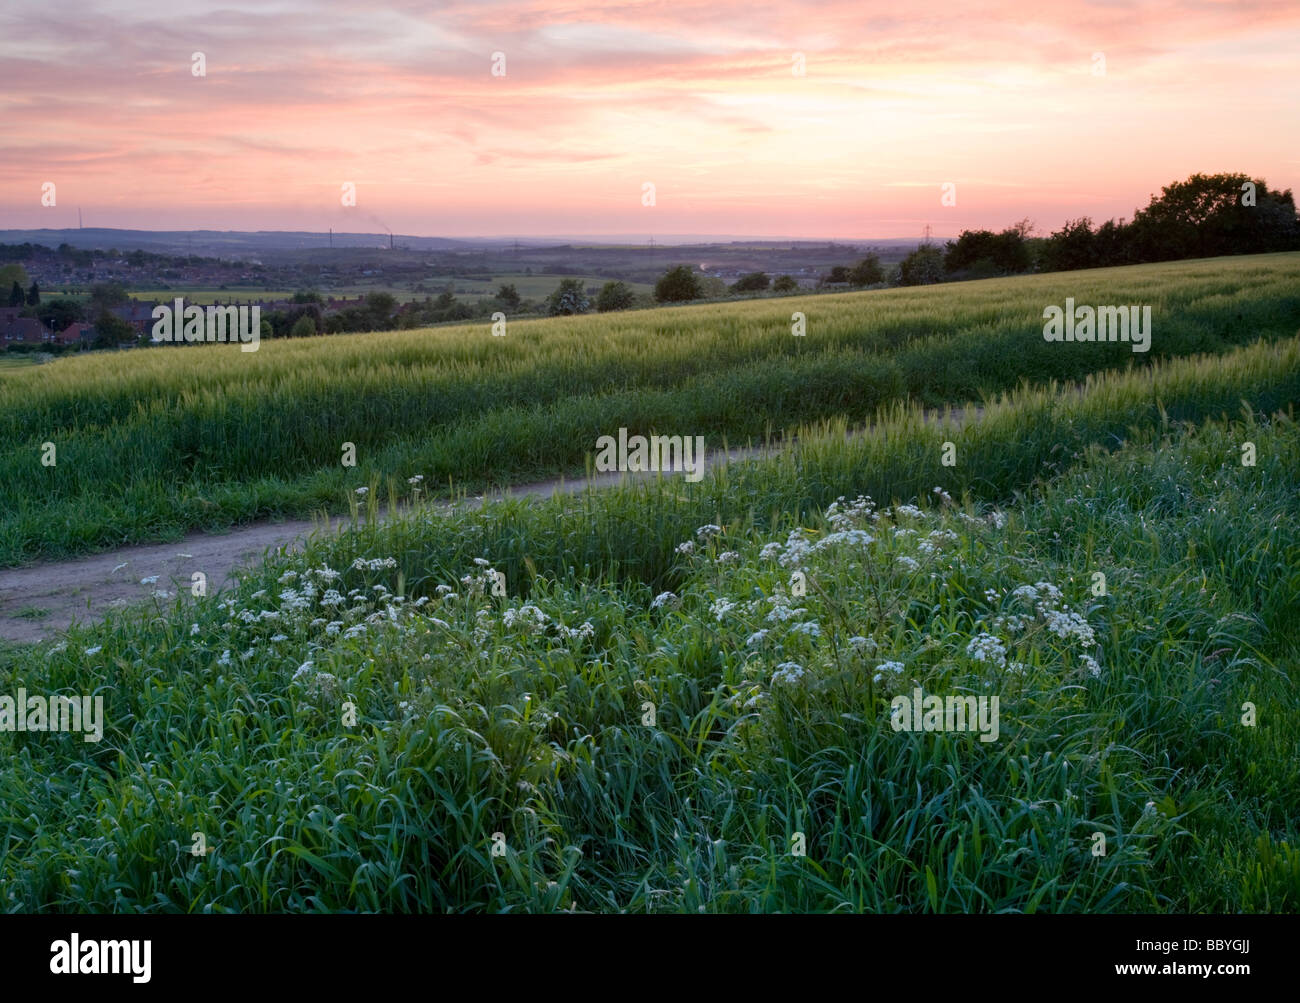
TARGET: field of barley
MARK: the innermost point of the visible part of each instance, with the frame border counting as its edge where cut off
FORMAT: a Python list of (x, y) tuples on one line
[(152, 443), (676, 697)]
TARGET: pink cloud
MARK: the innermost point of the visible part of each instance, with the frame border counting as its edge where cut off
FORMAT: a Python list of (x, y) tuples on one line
[(698, 97)]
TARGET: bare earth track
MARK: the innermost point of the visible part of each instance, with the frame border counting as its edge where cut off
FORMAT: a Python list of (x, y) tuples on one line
[(39, 601)]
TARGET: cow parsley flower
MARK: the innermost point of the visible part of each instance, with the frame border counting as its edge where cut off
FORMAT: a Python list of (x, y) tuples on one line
[(788, 673), (721, 608), (987, 648), (665, 599)]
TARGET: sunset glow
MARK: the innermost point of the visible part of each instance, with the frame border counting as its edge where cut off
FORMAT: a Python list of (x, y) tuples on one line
[(702, 99)]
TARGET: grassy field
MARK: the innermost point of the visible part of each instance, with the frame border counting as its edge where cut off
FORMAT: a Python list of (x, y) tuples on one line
[(152, 443), (659, 714), (535, 287), (205, 296), (10, 363)]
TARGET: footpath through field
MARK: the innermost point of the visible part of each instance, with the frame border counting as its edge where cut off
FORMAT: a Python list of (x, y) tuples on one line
[(39, 601)]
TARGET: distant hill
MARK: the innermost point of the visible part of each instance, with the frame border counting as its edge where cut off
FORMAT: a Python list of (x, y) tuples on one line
[(228, 243), (222, 243)]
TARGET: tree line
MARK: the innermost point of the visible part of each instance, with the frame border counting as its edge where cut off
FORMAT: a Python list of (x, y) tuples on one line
[(1204, 216)]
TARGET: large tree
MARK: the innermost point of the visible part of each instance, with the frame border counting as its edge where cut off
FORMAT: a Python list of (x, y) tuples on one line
[(867, 272), (615, 295), (111, 331), (754, 282), (508, 296), (677, 285), (58, 313), (570, 297), (922, 267), (983, 252), (1212, 214)]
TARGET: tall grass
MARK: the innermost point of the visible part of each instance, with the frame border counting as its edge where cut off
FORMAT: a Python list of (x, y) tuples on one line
[(481, 715), (152, 443), (629, 531)]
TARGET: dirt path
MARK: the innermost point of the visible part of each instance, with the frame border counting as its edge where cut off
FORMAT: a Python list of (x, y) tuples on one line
[(39, 601)]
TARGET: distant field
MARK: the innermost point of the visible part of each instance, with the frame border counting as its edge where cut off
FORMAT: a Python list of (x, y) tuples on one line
[(528, 286), (11, 362), (156, 442), (209, 295)]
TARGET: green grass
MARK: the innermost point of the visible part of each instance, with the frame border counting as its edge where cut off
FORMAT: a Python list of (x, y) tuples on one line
[(537, 286), (162, 441), (524, 714), (206, 296)]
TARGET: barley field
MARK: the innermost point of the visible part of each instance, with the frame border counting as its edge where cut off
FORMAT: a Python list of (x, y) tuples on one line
[(148, 444)]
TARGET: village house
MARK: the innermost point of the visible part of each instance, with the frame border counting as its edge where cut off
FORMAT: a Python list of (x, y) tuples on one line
[(76, 333), (137, 313), (27, 330)]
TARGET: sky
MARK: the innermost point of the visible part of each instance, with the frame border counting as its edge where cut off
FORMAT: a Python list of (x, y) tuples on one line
[(834, 118)]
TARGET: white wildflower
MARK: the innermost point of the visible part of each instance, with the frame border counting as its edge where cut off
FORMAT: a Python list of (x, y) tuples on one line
[(987, 648), (787, 672), (665, 599), (721, 608)]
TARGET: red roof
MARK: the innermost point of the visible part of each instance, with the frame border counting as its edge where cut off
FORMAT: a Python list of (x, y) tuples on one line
[(75, 332)]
